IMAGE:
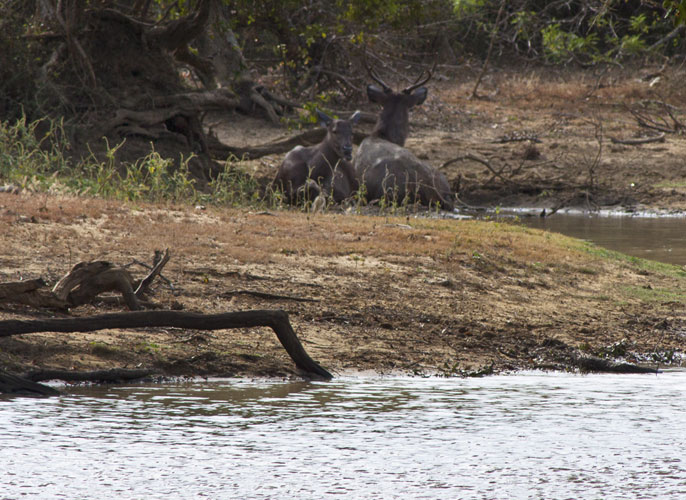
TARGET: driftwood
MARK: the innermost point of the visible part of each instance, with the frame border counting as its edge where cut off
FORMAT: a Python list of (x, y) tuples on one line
[(277, 320), (18, 287), (83, 284), (32, 293), (87, 280)]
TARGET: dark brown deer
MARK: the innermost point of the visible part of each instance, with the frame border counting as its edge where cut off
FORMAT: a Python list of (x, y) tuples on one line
[(384, 168), (324, 168)]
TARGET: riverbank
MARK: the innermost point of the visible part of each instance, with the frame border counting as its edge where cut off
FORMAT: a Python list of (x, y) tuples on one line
[(403, 294), (538, 137)]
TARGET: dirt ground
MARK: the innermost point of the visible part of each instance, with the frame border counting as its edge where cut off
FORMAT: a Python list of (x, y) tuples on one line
[(402, 293)]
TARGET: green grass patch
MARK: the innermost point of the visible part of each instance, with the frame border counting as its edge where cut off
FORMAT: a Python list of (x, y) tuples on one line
[(150, 347), (649, 294), (679, 184), (103, 349), (40, 162), (646, 265)]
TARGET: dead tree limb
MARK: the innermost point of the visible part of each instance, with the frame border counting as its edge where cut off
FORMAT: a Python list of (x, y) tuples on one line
[(32, 293), (639, 140), (307, 138), (12, 289), (145, 282), (19, 386), (277, 320), (644, 118), (87, 280), (84, 283)]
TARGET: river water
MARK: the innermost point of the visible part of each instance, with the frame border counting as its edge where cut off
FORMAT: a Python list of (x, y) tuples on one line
[(529, 435), (647, 236)]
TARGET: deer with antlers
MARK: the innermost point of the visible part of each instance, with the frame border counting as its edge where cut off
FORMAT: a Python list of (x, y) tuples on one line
[(323, 169), (384, 168)]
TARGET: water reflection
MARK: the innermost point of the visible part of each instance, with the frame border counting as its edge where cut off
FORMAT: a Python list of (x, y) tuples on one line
[(521, 436)]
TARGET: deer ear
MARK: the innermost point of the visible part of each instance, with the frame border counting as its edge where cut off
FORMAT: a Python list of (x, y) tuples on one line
[(375, 94), (355, 117), (419, 96), (325, 119)]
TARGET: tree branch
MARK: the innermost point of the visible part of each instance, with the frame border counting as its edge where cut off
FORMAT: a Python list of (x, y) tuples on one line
[(277, 320)]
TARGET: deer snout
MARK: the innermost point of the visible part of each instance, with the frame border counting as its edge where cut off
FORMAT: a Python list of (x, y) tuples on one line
[(348, 152)]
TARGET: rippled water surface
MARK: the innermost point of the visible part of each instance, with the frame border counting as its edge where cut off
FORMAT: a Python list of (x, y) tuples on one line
[(529, 435)]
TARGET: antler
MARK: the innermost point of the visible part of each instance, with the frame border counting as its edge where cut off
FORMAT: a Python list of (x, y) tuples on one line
[(375, 76), (419, 83)]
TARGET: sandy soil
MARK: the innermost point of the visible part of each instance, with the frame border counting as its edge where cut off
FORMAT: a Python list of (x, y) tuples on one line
[(393, 294)]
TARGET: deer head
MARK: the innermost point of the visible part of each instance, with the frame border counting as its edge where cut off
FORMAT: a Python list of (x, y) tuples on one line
[(339, 135), (393, 122)]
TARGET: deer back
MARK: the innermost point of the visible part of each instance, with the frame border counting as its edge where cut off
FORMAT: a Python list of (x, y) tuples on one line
[(397, 175), (326, 163)]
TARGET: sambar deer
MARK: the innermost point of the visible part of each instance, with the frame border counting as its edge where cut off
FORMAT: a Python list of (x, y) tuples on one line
[(384, 168), (307, 172)]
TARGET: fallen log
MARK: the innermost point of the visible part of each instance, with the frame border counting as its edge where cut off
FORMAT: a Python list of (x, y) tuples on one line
[(18, 386), (277, 320), (222, 151), (32, 293), (83, 284), (117, 375), (15, 288)]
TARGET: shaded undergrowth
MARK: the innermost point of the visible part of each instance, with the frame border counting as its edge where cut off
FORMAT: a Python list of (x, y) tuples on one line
[(36, 156)]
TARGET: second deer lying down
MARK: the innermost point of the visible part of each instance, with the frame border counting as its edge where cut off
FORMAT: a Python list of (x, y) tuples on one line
[(324, 168), (384, 168)]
